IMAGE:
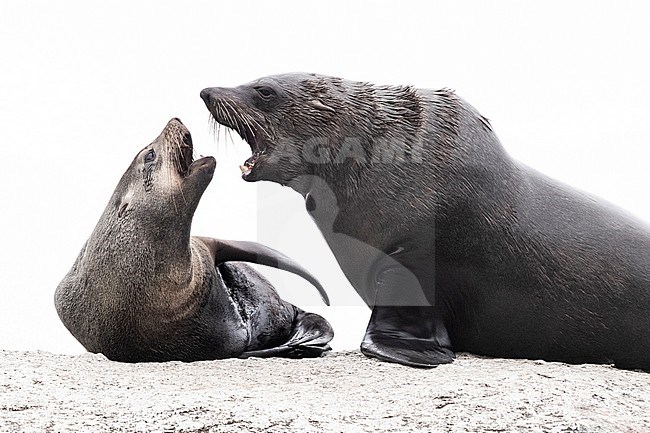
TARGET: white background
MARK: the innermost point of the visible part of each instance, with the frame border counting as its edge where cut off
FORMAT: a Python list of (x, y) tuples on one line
[(85, 85)]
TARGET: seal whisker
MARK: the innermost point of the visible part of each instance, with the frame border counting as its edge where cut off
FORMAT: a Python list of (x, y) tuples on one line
[(172, 181), (238, 120), (251, 119), (226, 134), (223, 133), (229, 137), (215, 128), (225, 113), (179, 154), (219, 133), (242, 117), (250, 128)]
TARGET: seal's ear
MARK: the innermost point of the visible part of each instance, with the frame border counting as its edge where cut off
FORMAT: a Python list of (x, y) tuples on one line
[(315, 103), (246, 251), (123, 210), (125, 205)]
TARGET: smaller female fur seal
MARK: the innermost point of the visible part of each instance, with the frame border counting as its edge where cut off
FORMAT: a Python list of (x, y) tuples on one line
[(143, 289)]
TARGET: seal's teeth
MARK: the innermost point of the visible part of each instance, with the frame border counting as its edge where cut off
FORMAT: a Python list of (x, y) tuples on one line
[(248, 165), (245, 169)]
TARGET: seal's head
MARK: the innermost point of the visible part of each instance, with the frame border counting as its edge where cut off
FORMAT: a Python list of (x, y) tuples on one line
[(140, 249), (163, 181), (308, 124), (149, 215)]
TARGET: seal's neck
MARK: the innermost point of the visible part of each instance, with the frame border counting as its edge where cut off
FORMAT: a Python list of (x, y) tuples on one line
[(138, 252)]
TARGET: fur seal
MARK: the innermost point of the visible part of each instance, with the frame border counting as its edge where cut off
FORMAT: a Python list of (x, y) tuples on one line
[(454, 244), (142, 289)]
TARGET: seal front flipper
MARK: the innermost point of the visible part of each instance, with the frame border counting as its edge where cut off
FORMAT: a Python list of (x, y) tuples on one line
[(404, 327), (253, 252), (411, 336), (308, 339)]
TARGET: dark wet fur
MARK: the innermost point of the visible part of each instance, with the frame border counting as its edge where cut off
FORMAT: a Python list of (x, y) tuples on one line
[(513, 263)]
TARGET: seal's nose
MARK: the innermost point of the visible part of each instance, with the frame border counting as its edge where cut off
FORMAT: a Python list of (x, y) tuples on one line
[(205, 94), (176, 119)]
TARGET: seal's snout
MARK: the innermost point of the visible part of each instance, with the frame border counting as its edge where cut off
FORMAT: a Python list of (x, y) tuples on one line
[(178, 142), (211, 93), (175, 122), (212, 96)]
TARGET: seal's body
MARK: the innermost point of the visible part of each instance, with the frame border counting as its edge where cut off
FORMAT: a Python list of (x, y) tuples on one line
[(142, 289), (454, 244)]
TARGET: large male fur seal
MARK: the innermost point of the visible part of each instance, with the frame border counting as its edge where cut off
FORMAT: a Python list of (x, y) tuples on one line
[(454, 244), (142, 289)]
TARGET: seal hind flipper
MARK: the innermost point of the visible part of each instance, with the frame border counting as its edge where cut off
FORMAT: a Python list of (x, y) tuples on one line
[(246, 251), (411, 336), (308, 339)]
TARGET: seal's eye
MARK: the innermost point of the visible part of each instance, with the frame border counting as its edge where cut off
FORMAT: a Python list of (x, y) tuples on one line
[(150, 156), (265, 92)]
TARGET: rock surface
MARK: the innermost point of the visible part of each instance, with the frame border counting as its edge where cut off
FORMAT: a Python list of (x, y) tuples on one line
[(341, 392)]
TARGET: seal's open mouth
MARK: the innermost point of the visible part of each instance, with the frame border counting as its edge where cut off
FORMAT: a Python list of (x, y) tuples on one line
[(248, 165), (181, 149), (225, 112), (184, 156), (251, 136)]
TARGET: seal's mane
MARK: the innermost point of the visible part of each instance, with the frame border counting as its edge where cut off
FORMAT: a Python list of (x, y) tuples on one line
[(388, 110)]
